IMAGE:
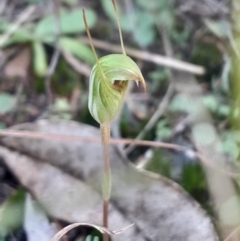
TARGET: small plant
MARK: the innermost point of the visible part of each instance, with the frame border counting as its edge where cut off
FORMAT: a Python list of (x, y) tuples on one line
[(108, 84), (43, 33)]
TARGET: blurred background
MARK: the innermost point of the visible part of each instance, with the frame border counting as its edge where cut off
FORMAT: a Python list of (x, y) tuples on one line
[(188, 52)]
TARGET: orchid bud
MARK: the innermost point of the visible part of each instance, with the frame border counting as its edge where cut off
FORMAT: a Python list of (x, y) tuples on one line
[(108, 84)]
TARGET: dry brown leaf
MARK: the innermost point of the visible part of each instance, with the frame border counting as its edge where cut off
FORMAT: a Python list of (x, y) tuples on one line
[(159, 208), (65, 230), (18, 67)]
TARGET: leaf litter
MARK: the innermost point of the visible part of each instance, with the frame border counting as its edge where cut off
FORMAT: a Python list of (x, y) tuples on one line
[(65, 179)]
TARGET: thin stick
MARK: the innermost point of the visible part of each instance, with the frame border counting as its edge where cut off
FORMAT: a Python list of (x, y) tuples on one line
[(55, 57), (76, 64), (147, 56), (155, 117), (119, 27), (106, 182), (74, 138), (165, 101), (22, 18)]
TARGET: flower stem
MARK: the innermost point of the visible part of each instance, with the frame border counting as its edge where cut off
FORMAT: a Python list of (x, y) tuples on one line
[(106, 182)]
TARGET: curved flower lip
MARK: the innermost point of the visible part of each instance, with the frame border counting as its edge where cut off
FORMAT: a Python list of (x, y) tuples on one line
[(118, 83)]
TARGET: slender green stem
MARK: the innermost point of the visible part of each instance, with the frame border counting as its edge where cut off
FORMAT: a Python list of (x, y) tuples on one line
[(106, 182)]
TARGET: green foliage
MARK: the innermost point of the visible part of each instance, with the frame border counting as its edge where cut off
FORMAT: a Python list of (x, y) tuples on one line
[(159, 164), (7, 102), (193, 181), (33, 1), (70, 1), (193, 177), (78, 49), (92, 238), (40, 58), (220, 28), (94, 235), (62, 109), (214, 104), (181, 103), (21, 35), (11, 213), (69, 21), (163, 131), (44, 31), (157, 77), (144, 18), (144, 34), (230, 143)]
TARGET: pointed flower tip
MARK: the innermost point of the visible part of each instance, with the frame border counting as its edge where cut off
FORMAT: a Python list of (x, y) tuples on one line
[(141, 79)]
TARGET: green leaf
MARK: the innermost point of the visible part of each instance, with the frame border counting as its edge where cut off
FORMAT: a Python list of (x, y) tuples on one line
[(166, 18), (62, 108), (144, 34), (34, 1), (11, 213), (182, 103), (163, 131), (61, 105), (77, 48), (40, 59), (152, 5), (224, 110), (7, 102), (70, 1), (211, 102), (193, 177), (220, 28), (71, 22), (180, 36), (21, 35), (229, 146)]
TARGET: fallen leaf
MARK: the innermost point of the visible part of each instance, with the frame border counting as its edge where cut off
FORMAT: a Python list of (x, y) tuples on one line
[(159, 208), (19, 65), (63, 196), (36, 223)]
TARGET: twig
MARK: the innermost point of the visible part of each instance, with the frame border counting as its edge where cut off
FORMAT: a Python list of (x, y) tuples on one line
[(154, 118), (154, 58), (54, 60), (21, 19), (74, 138), (232, 234), (163, 104), (80, 67)]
